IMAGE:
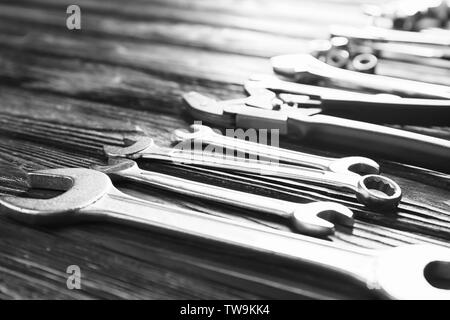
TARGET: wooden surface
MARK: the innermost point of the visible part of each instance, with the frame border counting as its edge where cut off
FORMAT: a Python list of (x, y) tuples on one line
[(64, 94)]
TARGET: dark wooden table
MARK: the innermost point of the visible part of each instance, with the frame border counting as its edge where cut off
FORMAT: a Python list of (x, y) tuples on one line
[(64, 94)]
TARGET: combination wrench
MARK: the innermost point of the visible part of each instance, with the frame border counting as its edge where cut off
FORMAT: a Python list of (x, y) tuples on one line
[(315, 218), (400, 273)]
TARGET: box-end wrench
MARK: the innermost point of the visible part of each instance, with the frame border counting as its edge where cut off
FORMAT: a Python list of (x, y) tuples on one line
[(305, 68), (375, 191), (315, 218), (347, 165), (400, 273)]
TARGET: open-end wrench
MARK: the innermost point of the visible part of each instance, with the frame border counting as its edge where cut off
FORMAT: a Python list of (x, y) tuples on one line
[(205, 135), (305, 68), (372, 190), (400, 273), (315, 218)]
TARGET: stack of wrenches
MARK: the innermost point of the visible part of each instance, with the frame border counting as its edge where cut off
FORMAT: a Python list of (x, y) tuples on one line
[(315, 218), (399, 273), (374, 191)]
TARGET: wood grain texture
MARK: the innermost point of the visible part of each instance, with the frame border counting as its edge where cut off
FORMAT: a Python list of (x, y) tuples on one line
[(64, 95)]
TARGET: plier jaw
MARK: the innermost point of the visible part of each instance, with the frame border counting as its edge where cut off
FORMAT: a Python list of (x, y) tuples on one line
[(263, 109)]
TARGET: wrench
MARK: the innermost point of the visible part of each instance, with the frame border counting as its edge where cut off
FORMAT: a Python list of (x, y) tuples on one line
[(311, 218), (306, 68), (399, 273), (375, 191), (348, 165)]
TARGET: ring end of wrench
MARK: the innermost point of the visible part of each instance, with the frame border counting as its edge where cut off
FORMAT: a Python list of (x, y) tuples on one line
[(379, 192)]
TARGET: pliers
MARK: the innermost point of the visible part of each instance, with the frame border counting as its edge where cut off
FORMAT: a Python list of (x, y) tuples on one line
[(264, 109)]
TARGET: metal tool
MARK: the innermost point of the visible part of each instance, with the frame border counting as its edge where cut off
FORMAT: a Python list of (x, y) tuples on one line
[(348, 165), (393, 144), (374, 191), (399, 273), (331, 99), (315, 218), (307, 69)]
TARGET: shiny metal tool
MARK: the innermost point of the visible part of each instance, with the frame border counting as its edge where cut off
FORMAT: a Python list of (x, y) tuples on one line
[(315, 218), (307, 69), (331, 99), (347, 165), (399, 273), (372, 190), (307, 125)]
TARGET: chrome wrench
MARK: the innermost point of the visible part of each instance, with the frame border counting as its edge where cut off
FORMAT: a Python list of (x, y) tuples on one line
[(347, 165), (398, 273)]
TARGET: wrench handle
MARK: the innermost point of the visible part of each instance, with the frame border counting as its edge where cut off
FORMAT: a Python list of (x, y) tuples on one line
[(377, 140), (210, 192)]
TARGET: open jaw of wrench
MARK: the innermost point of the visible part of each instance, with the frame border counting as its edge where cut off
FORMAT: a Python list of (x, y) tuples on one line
[(399, 273), (315, 218), (205, 135), (375, 191), (305, 68)]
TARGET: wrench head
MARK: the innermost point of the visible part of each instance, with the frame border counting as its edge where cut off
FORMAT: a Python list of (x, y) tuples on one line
[(378, 192), (82, 187), (134, 147), (117, 166), (197, 131), (407, 272), (355, 165), (298, 66), (319, 218)]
